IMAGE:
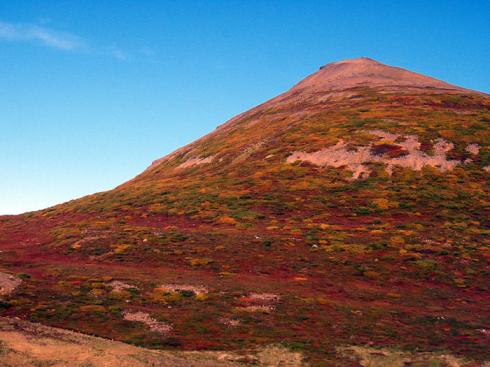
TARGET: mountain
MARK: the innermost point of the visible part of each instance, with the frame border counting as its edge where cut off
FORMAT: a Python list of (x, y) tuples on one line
[(340, 80), (367, 72), (350, 210)]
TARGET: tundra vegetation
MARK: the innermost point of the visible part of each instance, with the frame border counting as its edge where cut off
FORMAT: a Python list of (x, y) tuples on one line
[(227, 245)]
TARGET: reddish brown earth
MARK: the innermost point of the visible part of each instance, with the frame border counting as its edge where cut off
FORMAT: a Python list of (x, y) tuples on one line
[(368, 72), (300, 252)]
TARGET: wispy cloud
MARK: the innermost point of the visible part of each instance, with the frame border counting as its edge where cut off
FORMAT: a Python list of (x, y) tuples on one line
[(118, 53), (43, 35)]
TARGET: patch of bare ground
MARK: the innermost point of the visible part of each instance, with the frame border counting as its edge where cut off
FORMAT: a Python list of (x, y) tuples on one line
[(258, 302), (196, 161), (390, 149), (248, 151), (175, 288), (256, 308), (154, 325), (473, 149), (8, 283), (373, 357), (119, 286), (229, 322), (24, 344), (263, 297)]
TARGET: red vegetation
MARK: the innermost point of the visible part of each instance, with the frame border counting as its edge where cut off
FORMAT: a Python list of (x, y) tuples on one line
[(400, 260)]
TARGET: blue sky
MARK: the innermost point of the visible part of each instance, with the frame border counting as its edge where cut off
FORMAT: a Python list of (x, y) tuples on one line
[(92, 91)]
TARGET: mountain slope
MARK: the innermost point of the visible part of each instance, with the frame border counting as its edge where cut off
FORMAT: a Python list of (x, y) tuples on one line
[(335, 81), (308, 220)]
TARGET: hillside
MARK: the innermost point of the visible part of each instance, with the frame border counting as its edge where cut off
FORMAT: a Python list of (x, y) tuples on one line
[(350, 210)]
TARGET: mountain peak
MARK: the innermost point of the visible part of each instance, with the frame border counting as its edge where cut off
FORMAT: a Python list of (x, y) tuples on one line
[(364, 71), (356, 61)]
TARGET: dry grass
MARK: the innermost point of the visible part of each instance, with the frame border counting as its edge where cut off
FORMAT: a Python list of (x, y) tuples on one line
[(371, 357), (24, 344)]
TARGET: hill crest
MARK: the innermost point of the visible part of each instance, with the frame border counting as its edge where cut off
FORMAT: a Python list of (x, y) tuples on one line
[(364, 71)]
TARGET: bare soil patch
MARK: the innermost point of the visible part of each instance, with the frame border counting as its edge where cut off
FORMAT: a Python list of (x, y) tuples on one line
[(175, 288), (145, 318), (390, 149), (8, 283)]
